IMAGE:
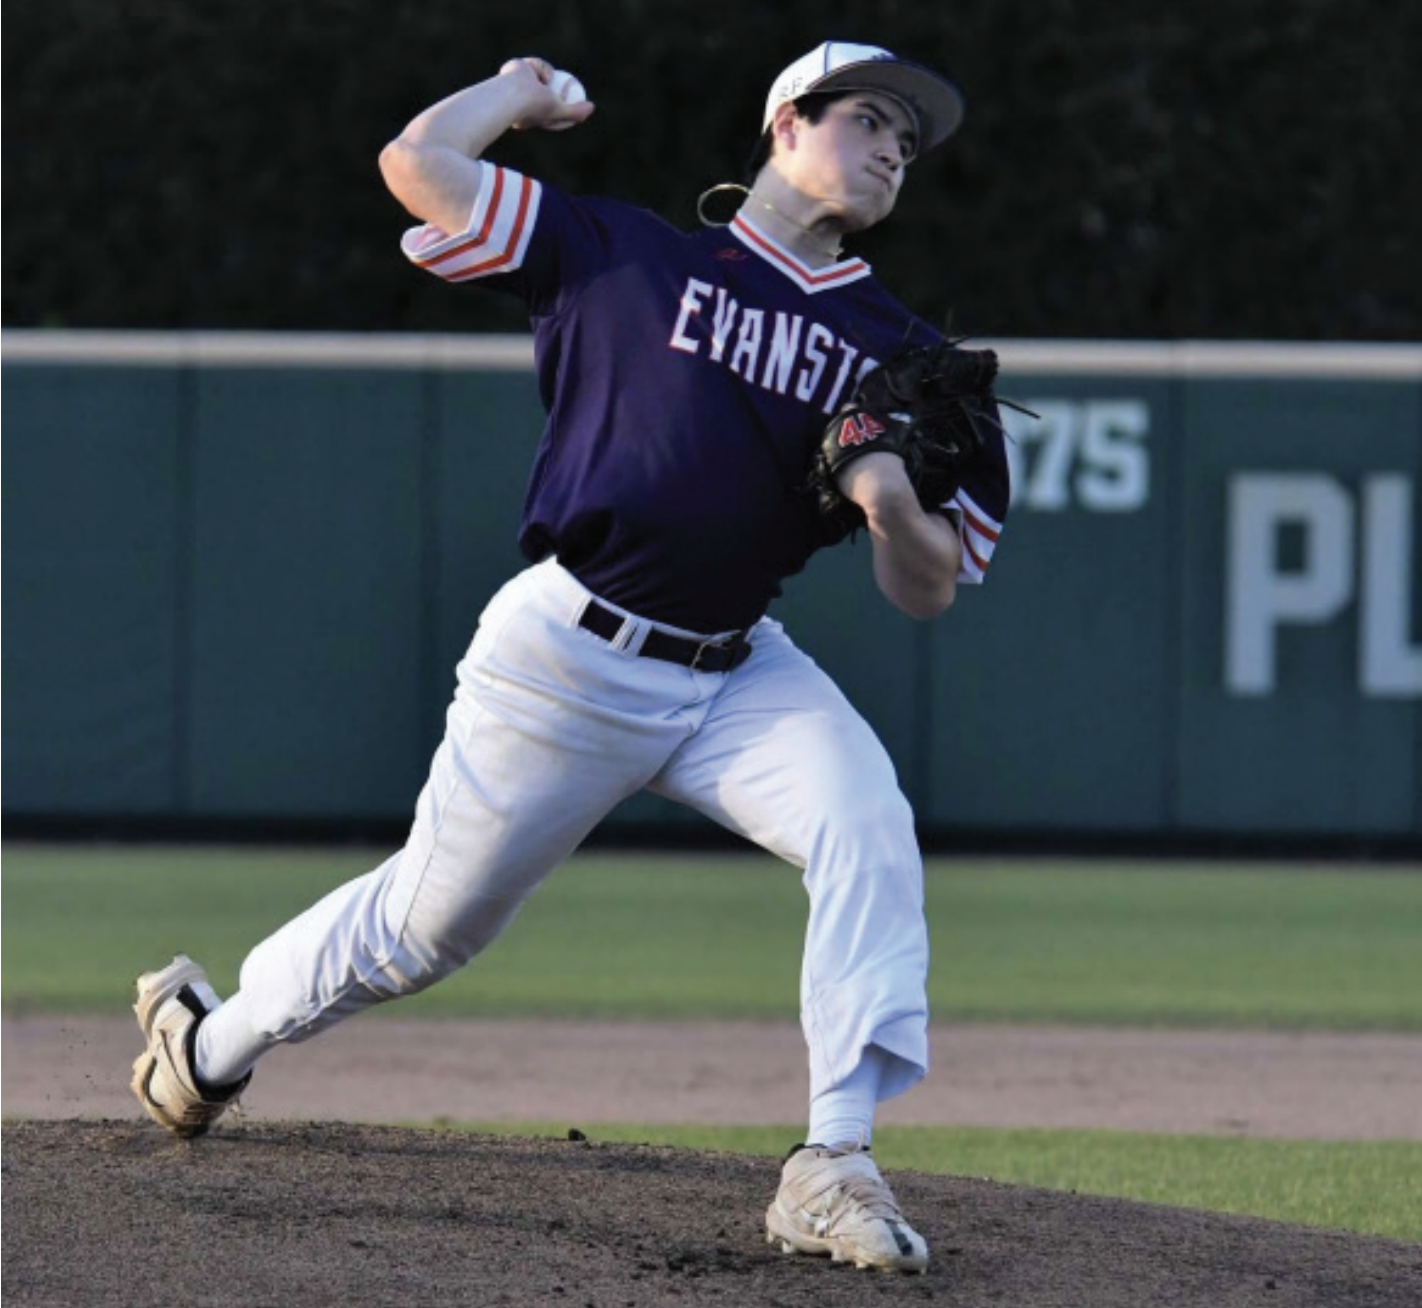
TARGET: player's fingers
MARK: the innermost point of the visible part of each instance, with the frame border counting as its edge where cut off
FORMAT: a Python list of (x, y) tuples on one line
[(570, 116), (540, 68)]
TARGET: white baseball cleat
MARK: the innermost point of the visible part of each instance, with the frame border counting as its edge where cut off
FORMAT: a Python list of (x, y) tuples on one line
[(833, 1201), (170, 1005)]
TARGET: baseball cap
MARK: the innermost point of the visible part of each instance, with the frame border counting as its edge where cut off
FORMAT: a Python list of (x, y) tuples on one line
[(843, 66)]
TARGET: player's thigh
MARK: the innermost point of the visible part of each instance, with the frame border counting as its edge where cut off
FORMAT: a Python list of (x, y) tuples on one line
[(785, 760), (549, 730)]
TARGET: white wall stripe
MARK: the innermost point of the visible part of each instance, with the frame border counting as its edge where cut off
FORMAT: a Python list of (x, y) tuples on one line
[(503, 352), (489, 352), (1361, 362)]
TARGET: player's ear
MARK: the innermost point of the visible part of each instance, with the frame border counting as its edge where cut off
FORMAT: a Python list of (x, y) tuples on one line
[(785, 126)]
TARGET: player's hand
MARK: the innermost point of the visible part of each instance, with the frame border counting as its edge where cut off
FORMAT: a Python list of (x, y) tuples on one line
[(554, 100)]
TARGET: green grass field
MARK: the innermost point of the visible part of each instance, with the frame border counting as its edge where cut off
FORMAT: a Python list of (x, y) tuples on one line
[(1368, 1186), (698, 937), (689, 936)]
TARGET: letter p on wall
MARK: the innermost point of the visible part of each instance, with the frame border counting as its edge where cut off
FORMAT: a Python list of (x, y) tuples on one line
[(1338, 561)]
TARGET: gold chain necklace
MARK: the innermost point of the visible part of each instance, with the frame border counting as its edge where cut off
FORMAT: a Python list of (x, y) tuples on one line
[(829, 252)]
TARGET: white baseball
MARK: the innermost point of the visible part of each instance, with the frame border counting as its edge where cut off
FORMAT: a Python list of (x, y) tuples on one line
[(567, 87)]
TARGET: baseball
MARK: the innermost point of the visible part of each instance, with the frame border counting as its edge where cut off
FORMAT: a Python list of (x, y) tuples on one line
[(567, 87)]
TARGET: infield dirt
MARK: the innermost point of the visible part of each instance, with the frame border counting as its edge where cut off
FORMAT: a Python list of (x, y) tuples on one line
[(103, 1208), (109, 1213)]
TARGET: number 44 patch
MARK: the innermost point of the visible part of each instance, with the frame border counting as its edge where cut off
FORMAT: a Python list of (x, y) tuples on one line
[(859, 429)]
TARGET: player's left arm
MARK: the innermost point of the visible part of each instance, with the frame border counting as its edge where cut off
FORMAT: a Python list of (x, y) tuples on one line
[(917, 553)]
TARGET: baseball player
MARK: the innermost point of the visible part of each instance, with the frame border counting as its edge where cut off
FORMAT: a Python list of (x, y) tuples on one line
[(688, 378)]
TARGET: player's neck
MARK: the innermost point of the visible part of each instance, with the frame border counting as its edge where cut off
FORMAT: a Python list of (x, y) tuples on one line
[(816, 243)]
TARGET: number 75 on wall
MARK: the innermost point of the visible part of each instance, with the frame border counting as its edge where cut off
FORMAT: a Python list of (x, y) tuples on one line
[(1087, 454)]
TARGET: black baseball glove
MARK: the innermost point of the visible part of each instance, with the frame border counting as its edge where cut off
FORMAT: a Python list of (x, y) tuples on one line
[(931, 405)]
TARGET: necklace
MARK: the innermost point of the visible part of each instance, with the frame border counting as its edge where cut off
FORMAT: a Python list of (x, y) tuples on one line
[(830, 252)]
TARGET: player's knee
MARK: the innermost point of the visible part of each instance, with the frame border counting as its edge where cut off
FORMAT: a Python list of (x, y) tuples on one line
[(434, 946), (868, 826), (883, 807)]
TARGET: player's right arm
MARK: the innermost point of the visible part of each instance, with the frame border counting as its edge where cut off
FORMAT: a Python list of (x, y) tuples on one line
[(917, 554), (432, 167)]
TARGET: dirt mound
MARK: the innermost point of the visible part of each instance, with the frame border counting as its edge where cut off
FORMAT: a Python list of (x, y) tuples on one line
[(110, 1213)]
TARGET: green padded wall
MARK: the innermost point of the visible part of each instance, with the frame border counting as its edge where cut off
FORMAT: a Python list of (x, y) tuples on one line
[(239, 576)]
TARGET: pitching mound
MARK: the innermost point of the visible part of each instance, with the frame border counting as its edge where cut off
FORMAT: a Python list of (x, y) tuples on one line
[(286, 1214)]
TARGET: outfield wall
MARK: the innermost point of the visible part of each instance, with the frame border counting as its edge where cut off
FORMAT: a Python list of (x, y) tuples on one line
[(239, 569)]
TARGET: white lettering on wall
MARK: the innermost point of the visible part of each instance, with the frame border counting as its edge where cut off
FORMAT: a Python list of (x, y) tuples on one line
[(1261, 597), (1387, 664), (1088, 453), (1258, 597)]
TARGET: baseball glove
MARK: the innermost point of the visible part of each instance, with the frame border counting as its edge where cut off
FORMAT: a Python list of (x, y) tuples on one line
[(931, 405)]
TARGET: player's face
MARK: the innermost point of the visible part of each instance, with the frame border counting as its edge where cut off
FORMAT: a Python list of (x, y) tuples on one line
[(855, 157)]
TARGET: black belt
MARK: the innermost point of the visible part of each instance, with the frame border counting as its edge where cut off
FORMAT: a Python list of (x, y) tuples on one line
[(699, 655)]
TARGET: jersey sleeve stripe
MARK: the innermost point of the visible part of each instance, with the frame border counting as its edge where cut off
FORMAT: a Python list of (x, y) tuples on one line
[(488, 202), (514, 233), (980, 528), (982, 521), (979, 534), (497, 236)]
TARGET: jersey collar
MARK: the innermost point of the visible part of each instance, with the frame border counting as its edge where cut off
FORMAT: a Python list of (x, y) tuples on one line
[(810, 280)]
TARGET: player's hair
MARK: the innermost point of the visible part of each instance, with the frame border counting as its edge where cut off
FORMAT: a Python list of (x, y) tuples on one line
[(811, 107)]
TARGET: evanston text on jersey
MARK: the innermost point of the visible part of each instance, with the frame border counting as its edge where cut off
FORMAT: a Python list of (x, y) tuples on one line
[(785, 356)]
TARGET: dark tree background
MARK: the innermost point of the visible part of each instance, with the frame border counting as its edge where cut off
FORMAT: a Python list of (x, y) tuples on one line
[(1224, 169)]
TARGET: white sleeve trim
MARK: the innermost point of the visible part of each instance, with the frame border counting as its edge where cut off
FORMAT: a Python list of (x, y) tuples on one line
[(502, 220)]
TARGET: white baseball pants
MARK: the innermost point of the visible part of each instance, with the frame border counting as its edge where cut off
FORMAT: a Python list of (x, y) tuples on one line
[(550, 728)]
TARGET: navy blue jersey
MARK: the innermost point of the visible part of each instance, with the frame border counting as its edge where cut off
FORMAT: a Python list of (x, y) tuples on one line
[(687, 378)]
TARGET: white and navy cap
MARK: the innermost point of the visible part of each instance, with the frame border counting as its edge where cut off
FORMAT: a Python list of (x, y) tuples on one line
[(843, 66)]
